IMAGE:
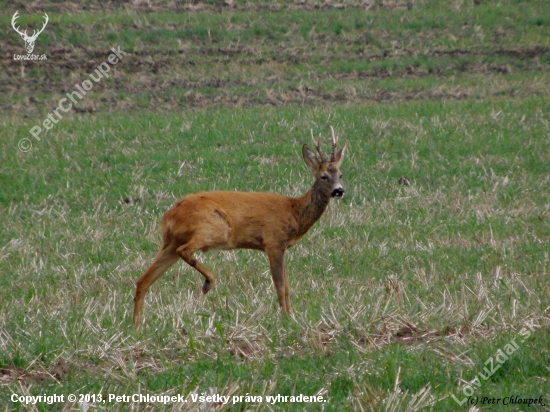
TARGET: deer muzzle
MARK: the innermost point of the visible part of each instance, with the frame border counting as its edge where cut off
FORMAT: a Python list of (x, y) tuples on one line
[(338, 192)]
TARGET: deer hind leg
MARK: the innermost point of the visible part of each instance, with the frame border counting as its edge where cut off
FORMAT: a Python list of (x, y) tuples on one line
[(165, 258), (278, 274), (213, 234), (186, 252)]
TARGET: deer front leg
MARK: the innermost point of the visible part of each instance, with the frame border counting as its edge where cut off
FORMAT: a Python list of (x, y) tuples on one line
[(278, 274), (287, 292)]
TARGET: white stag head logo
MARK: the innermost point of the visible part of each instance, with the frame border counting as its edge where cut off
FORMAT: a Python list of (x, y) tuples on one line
[(29, 40)]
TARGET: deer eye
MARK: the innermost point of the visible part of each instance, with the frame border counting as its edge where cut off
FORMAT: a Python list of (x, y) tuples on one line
[(340, 176), (324, 177)]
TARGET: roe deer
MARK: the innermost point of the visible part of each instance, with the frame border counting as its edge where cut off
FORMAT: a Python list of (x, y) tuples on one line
[(245, 220)]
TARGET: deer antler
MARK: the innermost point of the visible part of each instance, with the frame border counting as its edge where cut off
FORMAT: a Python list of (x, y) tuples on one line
[(13, 20), (25, 35), (334, 144), (35, 34), (322, 157)]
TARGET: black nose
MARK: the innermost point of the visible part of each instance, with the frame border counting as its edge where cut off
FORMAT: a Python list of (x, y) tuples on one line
[(338, 192)]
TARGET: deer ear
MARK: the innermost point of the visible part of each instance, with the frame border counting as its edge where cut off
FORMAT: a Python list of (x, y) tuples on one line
[(309, 157), (339, 156)]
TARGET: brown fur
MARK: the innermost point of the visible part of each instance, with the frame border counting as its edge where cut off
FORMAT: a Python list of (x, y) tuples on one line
[(236, 220)]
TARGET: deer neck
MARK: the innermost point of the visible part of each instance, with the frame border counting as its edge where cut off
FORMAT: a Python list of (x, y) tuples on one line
[(310, 207)]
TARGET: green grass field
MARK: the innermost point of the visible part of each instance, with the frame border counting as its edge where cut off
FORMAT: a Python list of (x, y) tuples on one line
[(405, 297)]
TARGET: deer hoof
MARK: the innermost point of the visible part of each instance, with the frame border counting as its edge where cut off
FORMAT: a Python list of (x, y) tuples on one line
[(207, 286)]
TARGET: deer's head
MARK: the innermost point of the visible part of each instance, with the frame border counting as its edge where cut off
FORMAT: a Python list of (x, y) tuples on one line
[(29, 40), (326, 169)]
